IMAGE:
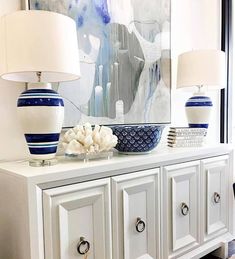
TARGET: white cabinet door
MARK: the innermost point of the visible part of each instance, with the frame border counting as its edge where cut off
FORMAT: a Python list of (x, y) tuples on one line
[(136, 213), (180, 208), (74, 212), (215, 175)]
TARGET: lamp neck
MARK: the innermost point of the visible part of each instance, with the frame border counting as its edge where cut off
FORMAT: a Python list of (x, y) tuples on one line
[(39, 74), (39, 85), (200, 90)]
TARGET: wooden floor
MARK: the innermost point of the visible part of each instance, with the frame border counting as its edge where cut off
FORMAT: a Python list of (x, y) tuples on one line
[(231, 251)]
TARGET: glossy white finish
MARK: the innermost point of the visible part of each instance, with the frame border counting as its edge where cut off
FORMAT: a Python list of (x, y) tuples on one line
[(136, 196), (214, 181), (181, 185), (77, 170), (198, 115), (79, 210), (22, 188), (41, 119)]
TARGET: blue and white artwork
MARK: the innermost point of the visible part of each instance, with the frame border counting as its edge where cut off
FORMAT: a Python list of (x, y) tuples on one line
[(125, 61)]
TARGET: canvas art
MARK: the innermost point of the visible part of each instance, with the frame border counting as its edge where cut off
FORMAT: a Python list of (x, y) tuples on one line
[(125, 61)]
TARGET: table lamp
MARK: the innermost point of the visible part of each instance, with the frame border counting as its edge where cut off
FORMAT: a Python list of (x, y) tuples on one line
[(204, 69), (39, 47)]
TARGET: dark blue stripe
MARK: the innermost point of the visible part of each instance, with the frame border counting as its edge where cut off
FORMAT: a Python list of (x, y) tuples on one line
[(204, 104), (199, 97), (37, 138), (198, 125), (30, 91), (40, 102), (43, 151)]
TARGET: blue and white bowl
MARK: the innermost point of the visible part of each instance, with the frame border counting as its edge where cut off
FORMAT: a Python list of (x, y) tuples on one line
[(137, 138), (198, 109), (41, 112)]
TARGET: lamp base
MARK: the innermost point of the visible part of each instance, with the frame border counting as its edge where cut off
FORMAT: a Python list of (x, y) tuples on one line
[(42, 163), (198, 110), (41, 113)]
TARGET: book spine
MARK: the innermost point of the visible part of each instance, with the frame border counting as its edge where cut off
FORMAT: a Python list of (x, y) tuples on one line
[(187, 133), (188, 130), (185, 145), (174, 137), (185, 141)]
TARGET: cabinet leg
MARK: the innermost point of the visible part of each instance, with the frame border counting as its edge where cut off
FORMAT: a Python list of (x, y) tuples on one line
[(222, 252)]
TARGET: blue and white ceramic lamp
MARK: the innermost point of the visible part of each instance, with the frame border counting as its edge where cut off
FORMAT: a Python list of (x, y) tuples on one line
[(46, 109), (198, 109), (31, 56), (206, 70)]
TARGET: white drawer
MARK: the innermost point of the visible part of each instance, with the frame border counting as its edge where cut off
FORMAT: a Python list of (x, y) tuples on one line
[(136, 215), (75, 211), (215, 196), (181, 193)]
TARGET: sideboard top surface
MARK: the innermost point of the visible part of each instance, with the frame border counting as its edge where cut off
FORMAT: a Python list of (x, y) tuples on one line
[(117, 165)]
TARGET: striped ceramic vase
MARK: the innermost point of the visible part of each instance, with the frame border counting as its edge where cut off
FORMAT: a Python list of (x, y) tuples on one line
[(198, 109), (41, 112)]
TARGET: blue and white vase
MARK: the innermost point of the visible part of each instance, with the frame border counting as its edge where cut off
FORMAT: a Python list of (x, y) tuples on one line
[(41, 113), (198, 109)]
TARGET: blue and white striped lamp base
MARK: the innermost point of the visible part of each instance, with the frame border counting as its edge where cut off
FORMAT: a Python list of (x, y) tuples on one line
[(198, 110), (41, 112)]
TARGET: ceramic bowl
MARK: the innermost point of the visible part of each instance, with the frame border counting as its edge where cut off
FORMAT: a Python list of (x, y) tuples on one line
[(137, 138)]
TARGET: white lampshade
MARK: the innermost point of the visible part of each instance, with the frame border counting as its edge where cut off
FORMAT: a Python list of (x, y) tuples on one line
[(202, 68), (38, 41)]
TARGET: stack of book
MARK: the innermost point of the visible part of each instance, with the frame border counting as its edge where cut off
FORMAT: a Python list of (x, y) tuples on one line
[(186, 137)]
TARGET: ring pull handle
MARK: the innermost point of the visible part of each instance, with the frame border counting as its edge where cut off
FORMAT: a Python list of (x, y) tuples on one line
[(139, 225), (83, 246), (217, 197), (184, 209)]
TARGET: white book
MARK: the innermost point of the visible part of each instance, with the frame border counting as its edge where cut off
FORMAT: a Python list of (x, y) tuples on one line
[(175, 141), (186, 145), (182, 137)]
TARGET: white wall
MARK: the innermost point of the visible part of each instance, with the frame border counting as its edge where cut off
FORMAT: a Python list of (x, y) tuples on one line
[(12, 143), (195, 24)]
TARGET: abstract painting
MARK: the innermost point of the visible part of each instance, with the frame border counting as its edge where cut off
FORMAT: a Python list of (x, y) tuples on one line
[(125, 61)]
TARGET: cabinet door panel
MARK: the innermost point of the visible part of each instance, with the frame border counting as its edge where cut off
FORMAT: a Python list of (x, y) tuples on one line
[(184, 191), (181, 185), (135, 203), (215, 184), (75, 211)]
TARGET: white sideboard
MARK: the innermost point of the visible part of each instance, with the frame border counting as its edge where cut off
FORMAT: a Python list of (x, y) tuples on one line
[(171, 203)]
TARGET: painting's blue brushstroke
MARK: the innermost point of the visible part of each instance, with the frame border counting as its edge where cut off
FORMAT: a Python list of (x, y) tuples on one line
[(103, 14), (84, 8), (102, 10), (154, 79), (80, 21)]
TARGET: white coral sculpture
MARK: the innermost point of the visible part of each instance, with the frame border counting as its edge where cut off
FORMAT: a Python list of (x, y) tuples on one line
[(84, 139)]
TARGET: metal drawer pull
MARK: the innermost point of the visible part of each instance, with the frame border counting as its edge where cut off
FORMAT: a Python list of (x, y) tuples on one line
[(83, 246), (139, 225), (184, 209), (216, 197)]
